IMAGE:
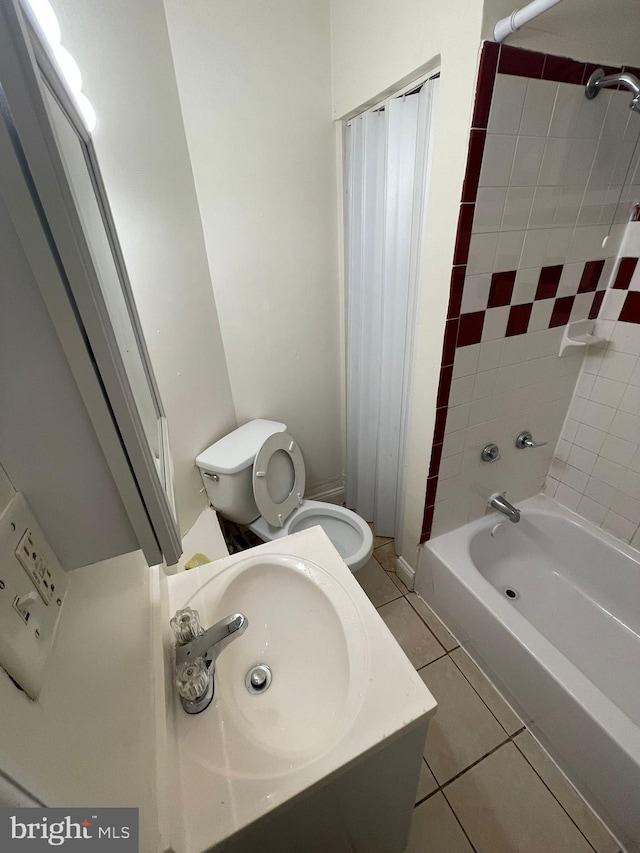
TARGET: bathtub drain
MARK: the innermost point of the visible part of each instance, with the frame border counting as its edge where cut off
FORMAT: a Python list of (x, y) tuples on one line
[(511, 593)]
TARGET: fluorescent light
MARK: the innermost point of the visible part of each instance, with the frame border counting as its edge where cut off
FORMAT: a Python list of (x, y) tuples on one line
[(47, 19), (86, 111)]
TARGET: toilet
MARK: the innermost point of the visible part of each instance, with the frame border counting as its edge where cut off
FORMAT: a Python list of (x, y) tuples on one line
[(255, 476)]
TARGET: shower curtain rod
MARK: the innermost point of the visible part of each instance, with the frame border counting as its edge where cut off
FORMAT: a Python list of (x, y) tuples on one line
[(519, 17)]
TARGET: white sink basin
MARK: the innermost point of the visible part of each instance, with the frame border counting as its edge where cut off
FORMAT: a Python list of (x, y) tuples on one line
[(341, 689), (306, 627)]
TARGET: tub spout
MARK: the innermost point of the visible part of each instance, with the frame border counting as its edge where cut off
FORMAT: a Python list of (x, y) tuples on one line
[(499, 502)]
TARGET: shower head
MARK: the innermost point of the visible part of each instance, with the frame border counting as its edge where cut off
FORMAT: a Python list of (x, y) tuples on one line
[(600, 80)]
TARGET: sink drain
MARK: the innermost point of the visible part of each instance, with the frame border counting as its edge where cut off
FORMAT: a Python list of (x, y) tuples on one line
[(511, 593), (258, 678)]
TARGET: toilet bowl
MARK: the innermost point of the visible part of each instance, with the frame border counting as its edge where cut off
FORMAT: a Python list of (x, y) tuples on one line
[(256, 476)]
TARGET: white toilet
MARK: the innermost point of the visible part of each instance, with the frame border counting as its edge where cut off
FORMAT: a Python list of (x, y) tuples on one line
[(255, 476)]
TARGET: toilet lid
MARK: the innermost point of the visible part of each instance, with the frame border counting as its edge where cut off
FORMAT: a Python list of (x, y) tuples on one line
[(278, 478)]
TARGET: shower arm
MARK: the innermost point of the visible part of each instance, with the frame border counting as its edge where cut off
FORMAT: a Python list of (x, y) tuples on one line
[(599, 80)]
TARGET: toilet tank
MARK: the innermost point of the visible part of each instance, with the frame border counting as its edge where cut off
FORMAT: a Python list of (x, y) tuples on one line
[(227, 469)]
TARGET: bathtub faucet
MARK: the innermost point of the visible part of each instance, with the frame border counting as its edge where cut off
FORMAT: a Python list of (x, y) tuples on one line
[(499, 502)]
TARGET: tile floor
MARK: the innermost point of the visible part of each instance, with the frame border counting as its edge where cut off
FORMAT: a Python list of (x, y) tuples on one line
[(486, 785)]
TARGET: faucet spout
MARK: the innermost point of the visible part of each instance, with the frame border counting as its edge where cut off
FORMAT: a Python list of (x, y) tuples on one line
[(214, 640), (499, 502), (196, 653)]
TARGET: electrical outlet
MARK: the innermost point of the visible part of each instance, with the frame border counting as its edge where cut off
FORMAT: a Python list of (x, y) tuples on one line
[(30, 555), (33, 585)]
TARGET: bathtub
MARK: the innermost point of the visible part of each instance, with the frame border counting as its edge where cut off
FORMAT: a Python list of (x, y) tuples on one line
[(550, 609)]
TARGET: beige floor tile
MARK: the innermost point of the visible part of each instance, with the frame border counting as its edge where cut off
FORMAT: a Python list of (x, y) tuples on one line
[(590, 825), (375, 582), (481, 684), (505, 808), (416, 640), (398, 582), (434, 829), (429, 617), (386, 556), (426, 784), (463, 729)]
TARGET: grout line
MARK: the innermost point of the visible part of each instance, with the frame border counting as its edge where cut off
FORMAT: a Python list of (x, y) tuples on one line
[(492, 687), (558, 801), (460, 824)]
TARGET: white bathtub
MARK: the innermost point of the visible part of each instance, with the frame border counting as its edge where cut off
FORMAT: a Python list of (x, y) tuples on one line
[(566, 651)]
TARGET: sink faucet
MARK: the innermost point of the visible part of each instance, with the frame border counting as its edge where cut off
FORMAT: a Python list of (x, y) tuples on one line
[(499, 502), (196, 653)]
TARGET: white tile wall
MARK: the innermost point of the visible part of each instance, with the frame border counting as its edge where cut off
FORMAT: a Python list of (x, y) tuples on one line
[(554, 166), (596, 467), (552, 183), (516, 383)]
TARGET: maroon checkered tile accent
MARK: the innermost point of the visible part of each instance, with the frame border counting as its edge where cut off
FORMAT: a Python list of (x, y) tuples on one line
[(631, 309), (519, 317), (501, 290), (626, 269), (590, 276), (598, 296), (561, 311), (548, 282), (470, 330)]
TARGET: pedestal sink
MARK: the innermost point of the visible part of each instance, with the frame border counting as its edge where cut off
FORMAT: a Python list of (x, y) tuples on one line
[(329, 753)]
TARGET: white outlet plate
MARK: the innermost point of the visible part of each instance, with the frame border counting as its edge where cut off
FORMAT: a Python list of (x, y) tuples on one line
[(27, 630)]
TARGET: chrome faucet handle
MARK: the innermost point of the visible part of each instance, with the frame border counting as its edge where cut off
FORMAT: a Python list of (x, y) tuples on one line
[(525, 439)]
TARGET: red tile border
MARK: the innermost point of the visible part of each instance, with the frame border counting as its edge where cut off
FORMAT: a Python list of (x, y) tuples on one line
[(436, 457), (449, 343), (624, 274), (631, 309), (477, 139), (444, 387), (432, 485), (522, 63), (590, 276), (427, 522), (518, 321), (441, 422), (463, 237), (560, 69), (501, 289), (484, 85), (470, 330), (456, 288)]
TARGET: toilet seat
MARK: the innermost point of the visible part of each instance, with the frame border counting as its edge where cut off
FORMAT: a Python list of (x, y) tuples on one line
[(349, 533), (273, 511)]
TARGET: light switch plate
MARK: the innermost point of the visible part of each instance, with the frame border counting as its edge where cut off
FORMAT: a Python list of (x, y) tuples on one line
[(32, 592)]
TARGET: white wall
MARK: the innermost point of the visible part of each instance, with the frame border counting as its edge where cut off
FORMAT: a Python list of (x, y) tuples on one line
[(254, 83), (90, 738), (123, 51), (374, 47), (6, 489)]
